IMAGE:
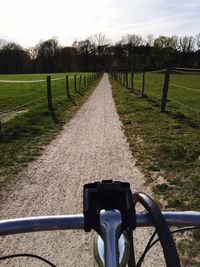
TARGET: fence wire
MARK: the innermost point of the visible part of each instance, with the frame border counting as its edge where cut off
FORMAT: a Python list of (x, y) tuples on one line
[(186, 72), (187, 88), (30, 81), (20, 106), (189, 69), (181, 104), (58, 91), (26, 99), (155, 92), (156, 71)]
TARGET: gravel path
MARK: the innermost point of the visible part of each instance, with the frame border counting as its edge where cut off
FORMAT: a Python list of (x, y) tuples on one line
[(91, 147)]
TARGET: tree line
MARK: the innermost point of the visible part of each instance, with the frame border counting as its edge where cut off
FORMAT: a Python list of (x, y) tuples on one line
[(97, 53)]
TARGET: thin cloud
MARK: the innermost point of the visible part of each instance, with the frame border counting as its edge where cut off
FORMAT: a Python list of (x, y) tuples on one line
[(29, 21)]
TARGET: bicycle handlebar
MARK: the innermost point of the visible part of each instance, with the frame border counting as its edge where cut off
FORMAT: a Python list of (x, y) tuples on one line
[(70, 222)]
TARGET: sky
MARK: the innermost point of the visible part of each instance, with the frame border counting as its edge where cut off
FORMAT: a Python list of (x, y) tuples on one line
[(29, 21)]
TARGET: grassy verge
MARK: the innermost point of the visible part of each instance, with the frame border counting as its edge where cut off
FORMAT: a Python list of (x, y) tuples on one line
[(167, 148), (183, 94), (16, 96), (23, 137)]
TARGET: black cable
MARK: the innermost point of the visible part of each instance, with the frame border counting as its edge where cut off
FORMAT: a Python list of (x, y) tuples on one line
[(139, 263), (150, 245), (166, 240), (131, 259), (27, 255)]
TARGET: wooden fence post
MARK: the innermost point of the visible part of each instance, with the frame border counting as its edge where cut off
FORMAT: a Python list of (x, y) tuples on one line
[(132, 81), (165, 90), (80, 81), (0, 128), (120, 78), (126, 77), (84, 81), (75, 88), (49, 94), (67, 86), (143, 84)]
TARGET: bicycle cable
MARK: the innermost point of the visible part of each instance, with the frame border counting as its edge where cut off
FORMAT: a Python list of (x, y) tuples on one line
[(151, 243), (27, 255), (139, 263), (165, 237)]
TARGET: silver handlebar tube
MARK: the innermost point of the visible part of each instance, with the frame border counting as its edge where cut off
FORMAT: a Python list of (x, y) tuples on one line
[(173, 218), (43, 223), (67, 222)]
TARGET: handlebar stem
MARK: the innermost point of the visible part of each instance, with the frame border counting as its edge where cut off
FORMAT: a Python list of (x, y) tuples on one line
[(110, 222)]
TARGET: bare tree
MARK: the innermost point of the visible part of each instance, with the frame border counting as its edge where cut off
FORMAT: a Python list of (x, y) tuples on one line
[(198, 41), (132, 39), (99, 42), (174, 42), (84, 46), (3, 43), (149, 39), (85, 51), (130, 43), (101, 45), (99, 39), (186, 43), (47, 52), (118, 55)]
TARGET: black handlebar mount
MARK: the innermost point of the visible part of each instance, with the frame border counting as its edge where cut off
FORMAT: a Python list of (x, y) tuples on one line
[(108, 195)]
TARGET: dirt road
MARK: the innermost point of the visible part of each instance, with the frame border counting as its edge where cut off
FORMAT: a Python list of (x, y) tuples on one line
[(91, 147)]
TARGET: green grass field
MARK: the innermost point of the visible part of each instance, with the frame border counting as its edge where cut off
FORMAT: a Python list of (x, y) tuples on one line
[(18, 97), (166, 147), (27, 123), (183, 94)]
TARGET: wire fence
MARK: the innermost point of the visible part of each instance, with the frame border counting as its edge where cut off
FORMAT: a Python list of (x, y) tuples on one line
[(22, 81), (19, 96), (177, 88), (181, 104), (183, 87), (184, 90)]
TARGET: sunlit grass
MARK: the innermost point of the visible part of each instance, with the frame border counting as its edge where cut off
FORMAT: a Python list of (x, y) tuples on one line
[(23, 135), (20, 96), (183, 94), (167, 149)]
